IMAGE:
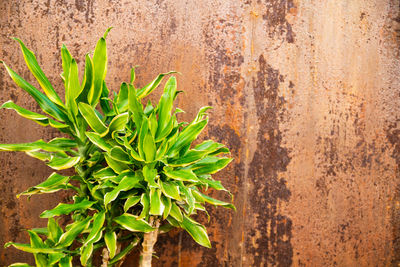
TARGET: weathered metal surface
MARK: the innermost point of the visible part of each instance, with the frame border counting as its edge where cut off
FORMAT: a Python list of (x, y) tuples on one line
[(306, 95)]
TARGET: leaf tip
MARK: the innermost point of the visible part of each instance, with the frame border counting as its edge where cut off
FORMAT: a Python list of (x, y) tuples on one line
[(107, 31)]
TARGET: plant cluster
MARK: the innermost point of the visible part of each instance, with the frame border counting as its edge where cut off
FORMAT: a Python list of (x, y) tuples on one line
[(137, 173)]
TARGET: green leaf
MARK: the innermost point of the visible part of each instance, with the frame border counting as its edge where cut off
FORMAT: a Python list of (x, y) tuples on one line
[(66, 262), (117, 153), (98, 222), (104, 103), (63, 143), (36, 241), (28, 248), (34, 67), (91, 118), (76, 228), (165, 107), (44, 102), (176, 212), (182, 175), (125, 251), (187, 136), (73, 89), (130, 202), (133, 76), (145, 201), (127, 183), (211, 182), (54, 230), (63, 163), (104, 173), (111, 242), (189, 158), (150, 176), (170, 190), (99, 141), (53, 183), (146, 90), (86, 253), (168, 204), (55, 258), (196, 230), (100, 70), (149, 147), (117, 166), (87, 82), (117, 124), (62, 208), (36, 117), (131, 223), (135, 107), (37, 145), (122, 98), (19, 264), (156, 206), (41, 231), (66, 63), (190, 200), (204, 198), (209, 166)]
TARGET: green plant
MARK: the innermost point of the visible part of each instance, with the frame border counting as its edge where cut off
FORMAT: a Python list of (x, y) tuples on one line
[(137, 173)]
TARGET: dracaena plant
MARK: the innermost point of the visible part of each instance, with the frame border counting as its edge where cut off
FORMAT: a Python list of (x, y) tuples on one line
[(137, 173)]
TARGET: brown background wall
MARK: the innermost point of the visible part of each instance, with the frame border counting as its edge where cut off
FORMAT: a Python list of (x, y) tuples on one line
[(306, 95)]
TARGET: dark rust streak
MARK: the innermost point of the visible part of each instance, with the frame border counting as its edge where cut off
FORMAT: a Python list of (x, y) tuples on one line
[(393, 136), (275, 17), (271, 231)]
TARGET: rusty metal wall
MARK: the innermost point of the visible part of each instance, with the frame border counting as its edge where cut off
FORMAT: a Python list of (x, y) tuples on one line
[(306, 95)]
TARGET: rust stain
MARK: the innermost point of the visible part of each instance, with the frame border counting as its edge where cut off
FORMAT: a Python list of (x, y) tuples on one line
[(276, 17), (268, 240), (393, 136)]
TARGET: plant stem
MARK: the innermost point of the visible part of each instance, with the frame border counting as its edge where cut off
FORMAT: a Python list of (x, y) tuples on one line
[(106, 257), (149, 239)]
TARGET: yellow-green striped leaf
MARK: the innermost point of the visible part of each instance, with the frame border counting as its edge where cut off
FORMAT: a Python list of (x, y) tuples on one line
[(130, 202), (147, 89), (63, 163), (28, 248), (156, 206), (170, 190), (76, 228), (196, 230), (99, 141), (111, 242), (73, 88), (182, 175), (117, 166), (91, 118), (53, 183), (54, 230), (204, 198), (43, 101), (98, 221), (34, 67), (63, 208), (99, 70), (133, 224), (118, 123), (176, 212)]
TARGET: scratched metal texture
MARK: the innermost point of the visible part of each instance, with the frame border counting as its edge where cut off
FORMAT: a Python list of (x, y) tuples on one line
[(305, 94)]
